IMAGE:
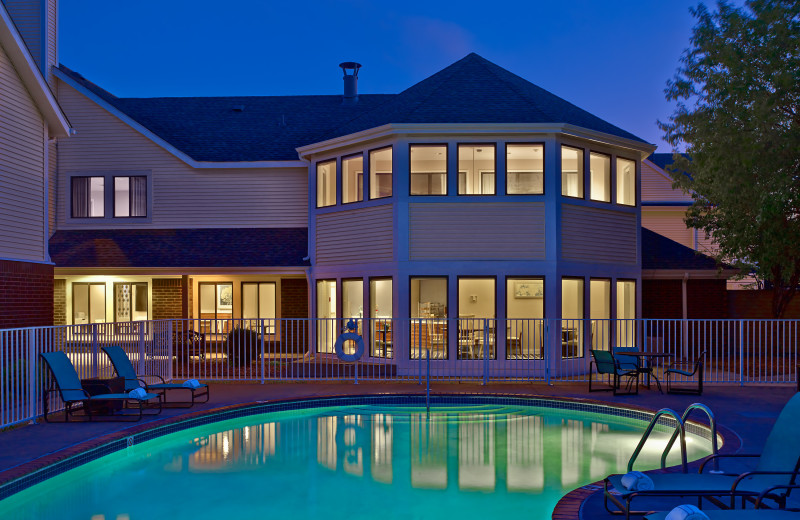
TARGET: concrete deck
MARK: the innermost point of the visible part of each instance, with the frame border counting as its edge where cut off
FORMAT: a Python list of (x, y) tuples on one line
[(749, 411)]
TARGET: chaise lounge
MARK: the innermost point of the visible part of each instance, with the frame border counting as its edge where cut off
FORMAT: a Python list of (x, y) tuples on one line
[(67, 384)]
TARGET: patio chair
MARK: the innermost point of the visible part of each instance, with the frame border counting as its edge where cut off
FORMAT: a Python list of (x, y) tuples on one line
[(607, 364), (629, 362), (777, 467), (67, 384), (697, 369), (124, 368)]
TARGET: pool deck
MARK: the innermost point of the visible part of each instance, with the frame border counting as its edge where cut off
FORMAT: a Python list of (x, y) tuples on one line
[(748, 411)]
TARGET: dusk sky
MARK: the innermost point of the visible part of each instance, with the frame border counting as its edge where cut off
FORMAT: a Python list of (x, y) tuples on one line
[(611, 58)]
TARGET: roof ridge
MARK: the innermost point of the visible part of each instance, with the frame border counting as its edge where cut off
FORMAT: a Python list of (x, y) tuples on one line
[(457, 65), (513, 87)]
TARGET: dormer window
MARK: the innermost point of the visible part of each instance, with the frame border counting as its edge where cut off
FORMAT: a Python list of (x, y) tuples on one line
[(130, 196), (88, 197)]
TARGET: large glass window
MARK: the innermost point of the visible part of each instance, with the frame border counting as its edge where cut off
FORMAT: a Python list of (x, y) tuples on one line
[(258, 303), (380, 301), (216, 307), (572, 317), (524, 318), (571, 172), (476, 169), (326, 183), (327, 329), (380, 173), (88, 197), (130, 196), (626, 182), (600, 177), (353, 302), (130, 301), (476, 318), (600, 312), (88, 303), (353, 178), (428, 317), (524, 169), (626, 313), (428, 165)]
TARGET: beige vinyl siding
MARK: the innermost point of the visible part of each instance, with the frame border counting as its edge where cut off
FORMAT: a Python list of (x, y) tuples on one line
[(476, 231), (355, 236), (597, 235), (668, 222), (52, 186), (182, 196), (52, 38), (657, 186), (22, 204), (27, 16)]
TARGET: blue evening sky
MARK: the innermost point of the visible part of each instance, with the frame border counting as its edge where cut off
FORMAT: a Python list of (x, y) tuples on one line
[(610, 57)]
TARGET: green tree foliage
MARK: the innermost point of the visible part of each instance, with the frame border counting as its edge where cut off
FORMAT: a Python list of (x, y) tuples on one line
[(737, 94)]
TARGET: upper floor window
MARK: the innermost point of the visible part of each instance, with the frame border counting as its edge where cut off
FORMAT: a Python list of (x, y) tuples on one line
[(88, 197), (130, 196), (476, 169), (380, 173), (428, 169), (326, 183), (571, 172), (600, 177), (353, 178), (524, 169), (626, 182)]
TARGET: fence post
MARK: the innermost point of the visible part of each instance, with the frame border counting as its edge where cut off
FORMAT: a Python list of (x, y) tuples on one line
[(141, 349), (485, 351), (419, 350), (32, 383), (95, 350), (263, 364), (170, 347), (546, 347), (741, 352)]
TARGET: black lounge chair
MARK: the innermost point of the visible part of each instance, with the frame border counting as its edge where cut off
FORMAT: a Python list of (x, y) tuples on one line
[(674, 370), (66, 382), (607, 364), (124, 368)]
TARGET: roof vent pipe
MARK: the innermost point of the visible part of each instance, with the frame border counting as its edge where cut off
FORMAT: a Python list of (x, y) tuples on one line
[(350, 82)]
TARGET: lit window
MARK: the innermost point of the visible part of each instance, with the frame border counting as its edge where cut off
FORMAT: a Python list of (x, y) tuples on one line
[(476, 170), (600, 177), (572, 317), (326, 184), (380, 304), (130, 196), (476, 318), (130, 301), (428, 169), (626, 182), (626, 313), (524, 169), (216, 307), (428, 317), (258, 303), (88, 303), (600, 312), (571, 172), (524, 318), (88, 197), (380, 173), (327, 329), (353, 179)]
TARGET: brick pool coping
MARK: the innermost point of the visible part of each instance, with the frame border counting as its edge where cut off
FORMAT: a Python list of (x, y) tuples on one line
[(34, 471)]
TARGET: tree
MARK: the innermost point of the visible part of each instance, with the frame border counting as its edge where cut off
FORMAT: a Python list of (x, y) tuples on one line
[(737, 94)]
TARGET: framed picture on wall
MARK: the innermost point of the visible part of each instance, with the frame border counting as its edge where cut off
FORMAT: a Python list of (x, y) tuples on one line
[(528, 290), (225, 297)]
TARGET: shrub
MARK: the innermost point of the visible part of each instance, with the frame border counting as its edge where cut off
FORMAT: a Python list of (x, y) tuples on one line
[(244, 346)]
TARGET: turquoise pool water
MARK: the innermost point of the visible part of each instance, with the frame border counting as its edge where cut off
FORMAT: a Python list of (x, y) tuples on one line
[(352, 462)]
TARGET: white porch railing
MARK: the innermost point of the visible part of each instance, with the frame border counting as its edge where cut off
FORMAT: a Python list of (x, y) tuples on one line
[(483, 350)]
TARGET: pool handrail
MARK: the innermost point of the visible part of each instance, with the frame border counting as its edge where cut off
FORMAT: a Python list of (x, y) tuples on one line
[(712, 425), (681, 429)]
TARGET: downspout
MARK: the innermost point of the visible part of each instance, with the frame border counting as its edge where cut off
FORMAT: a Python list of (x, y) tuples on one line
[(685, 315), (309, 352)]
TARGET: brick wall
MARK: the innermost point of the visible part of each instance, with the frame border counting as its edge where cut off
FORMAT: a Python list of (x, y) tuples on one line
[(59, 302), (26, 294), (167, 298), (758, 305), (704, 299), (294, 304)]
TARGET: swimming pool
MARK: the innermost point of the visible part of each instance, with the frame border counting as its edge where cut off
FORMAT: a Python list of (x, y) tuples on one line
[(471, 458)]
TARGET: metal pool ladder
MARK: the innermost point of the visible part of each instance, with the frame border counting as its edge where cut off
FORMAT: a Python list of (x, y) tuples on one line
[(680, 430)]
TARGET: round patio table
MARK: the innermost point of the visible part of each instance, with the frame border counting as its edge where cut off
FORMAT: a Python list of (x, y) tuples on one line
[(647, 369)]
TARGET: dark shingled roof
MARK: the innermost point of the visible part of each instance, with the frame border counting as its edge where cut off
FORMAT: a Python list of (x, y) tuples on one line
[(659, 252), (239, 247), (662, 160), (270, 128)]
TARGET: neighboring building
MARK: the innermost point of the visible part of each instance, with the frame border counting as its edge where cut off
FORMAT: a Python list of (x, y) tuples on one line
[(30, 121)]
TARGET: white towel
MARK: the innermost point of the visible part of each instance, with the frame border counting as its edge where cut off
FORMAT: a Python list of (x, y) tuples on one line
[(191, 383), (637, 481), (137, 393), (686, 512)]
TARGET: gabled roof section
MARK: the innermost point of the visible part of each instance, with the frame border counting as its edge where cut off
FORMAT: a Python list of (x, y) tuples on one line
[(180, 248), (660, 252), (662, 160), (475, 90), (31, 76)]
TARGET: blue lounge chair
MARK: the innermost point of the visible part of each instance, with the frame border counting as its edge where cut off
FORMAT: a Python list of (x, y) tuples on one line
[(124, 368), (758, 513), (777, 466), (67, 384), (607, 364)]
